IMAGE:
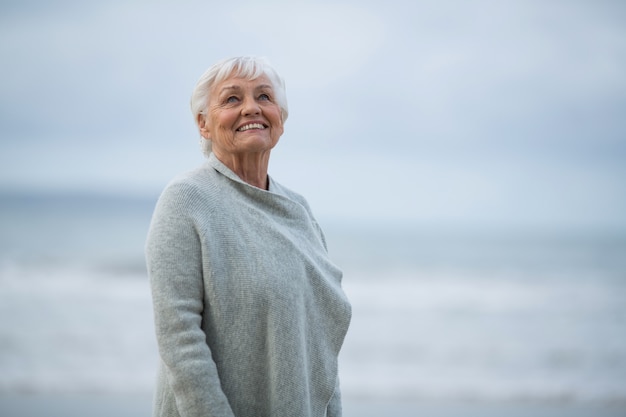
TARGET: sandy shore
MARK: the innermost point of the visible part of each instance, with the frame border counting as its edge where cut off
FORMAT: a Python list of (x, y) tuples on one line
[(63, 405)]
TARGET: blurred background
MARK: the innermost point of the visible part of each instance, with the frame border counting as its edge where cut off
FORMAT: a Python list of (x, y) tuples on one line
[(466, 159)]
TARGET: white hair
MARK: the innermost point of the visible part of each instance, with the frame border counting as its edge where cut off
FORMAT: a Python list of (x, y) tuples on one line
[(248, 67)]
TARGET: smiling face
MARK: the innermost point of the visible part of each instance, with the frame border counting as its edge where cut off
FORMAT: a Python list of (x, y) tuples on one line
[(243, 117)]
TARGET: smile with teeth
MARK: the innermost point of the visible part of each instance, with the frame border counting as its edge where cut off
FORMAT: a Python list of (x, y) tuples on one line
[(250, 126)]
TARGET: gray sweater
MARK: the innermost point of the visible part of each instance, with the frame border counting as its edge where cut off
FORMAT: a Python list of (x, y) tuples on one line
[(249, 311)]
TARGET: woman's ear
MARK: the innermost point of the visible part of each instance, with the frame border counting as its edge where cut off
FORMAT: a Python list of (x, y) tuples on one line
[(203, 127)]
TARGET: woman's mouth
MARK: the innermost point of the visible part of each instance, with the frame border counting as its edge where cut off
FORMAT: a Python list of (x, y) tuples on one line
[(250, 126)]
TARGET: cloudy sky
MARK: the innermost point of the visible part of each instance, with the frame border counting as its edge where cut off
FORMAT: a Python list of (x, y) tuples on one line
[(485, 113)]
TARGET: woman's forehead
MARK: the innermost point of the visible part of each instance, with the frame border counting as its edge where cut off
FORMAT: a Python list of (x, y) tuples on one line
[(237, 82)]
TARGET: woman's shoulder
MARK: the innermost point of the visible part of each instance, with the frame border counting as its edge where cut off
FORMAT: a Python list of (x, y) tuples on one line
[(280, 189), (298, 198), (190, 187)]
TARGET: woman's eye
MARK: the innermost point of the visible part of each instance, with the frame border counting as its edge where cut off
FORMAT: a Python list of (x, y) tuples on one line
[(232, 99), (264, 97)]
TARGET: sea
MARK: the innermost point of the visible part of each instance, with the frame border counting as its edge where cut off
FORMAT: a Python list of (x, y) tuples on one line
[(438, 315)]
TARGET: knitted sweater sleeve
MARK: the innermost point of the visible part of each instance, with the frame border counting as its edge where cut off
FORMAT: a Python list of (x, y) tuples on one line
[(334, 406), (174, 260)]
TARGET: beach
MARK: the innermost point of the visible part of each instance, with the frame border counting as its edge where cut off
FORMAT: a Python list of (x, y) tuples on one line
[(443, 325), (139, 405)]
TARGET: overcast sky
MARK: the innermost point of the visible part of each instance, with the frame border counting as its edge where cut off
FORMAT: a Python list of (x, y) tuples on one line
[(487, 113)]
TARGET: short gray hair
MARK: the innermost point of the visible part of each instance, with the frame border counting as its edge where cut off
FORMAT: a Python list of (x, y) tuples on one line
[(248, 67)]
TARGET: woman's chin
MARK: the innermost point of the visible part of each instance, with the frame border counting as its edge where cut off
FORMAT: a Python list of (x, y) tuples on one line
[(257, 143)]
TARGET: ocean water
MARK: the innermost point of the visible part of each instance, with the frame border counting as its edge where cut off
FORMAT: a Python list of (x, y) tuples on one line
[(531, 317)]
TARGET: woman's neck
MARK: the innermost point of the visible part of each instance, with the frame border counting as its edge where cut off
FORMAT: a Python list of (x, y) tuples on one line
[(250, 167)]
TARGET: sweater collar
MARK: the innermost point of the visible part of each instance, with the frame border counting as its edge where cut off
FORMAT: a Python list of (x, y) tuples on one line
[(227, 172)]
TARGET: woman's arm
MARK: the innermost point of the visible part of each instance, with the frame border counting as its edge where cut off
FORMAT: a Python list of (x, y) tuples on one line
[(174, 260), (334, 408)]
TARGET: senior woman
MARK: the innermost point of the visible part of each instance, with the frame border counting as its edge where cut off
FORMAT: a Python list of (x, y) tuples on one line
[(249, 311)]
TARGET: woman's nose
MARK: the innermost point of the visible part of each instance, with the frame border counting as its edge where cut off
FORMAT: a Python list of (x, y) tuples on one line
[(250, 106)]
